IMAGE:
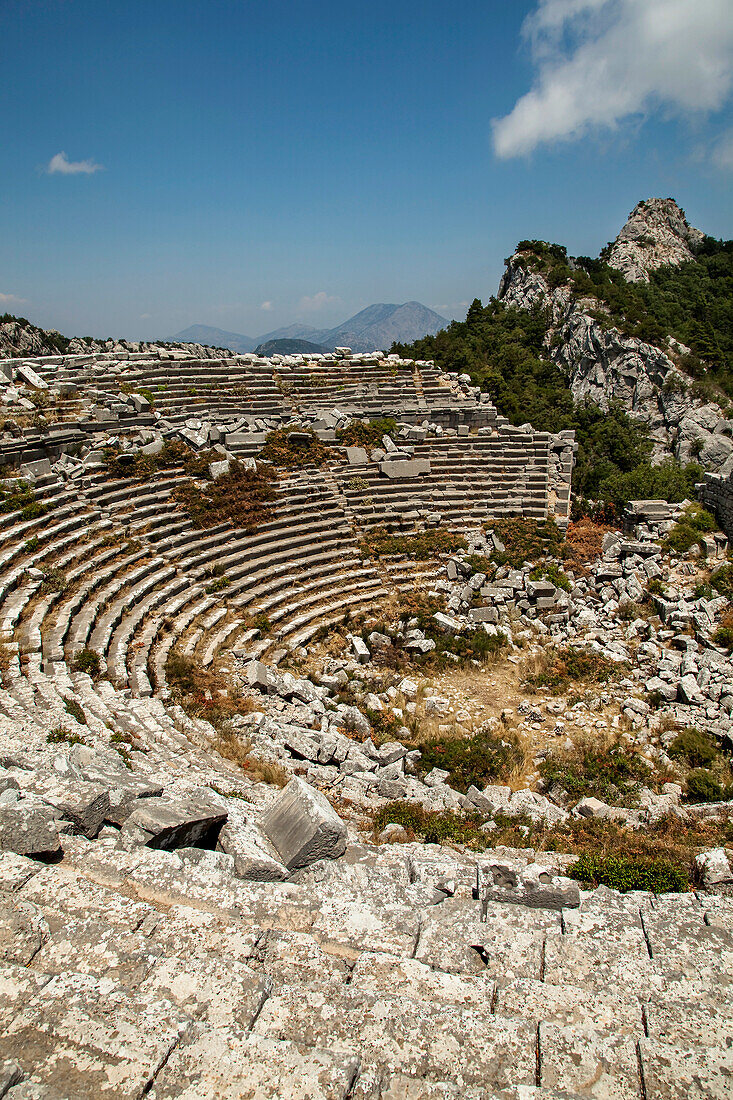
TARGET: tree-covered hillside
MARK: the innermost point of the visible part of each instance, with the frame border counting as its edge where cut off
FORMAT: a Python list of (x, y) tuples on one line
[(503, 351)]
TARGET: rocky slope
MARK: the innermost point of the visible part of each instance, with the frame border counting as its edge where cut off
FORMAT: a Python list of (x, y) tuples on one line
[(19, 339), (656, 233), (606, 366)]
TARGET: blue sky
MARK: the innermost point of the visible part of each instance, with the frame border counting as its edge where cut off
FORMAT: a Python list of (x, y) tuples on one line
[(246, 164)]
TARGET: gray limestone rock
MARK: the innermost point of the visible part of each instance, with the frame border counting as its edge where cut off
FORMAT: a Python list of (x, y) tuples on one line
[(303, 826), (29, 831), (169, 824)]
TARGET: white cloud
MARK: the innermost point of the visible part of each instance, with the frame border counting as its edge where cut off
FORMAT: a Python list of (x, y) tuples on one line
[(61, 165), (723, 152), (12, 300), (267, 306), (599, 62), (317, 301)]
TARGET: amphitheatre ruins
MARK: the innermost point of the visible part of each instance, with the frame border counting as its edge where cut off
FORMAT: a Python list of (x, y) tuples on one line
[(233, 592)]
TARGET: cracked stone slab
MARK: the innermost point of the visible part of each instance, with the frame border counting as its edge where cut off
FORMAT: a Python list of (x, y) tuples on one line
[(597, 1065), (217, 1063), (63, 894), (569, 1006), (23, 930), (225, 993), (303, 826), (390, 974), (698, 1019), (674, 1072), (417, 1038), (91, 946), (29, 831), (88, 1037), (292, 958), (16, 870)]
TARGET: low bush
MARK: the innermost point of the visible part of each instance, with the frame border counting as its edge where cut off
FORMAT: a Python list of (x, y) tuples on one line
[(420, 547), (524, 540), (723, 635), (686, 533), (53, 581), (703, 786), (238, 497), (622, 873), (87, 660), (696, 749), (605, 771), (202, 692), (61, 735), (76, 711), (476, 760), (294, 450), (433, 827), (553, 574), (369, 434), (557, 669)]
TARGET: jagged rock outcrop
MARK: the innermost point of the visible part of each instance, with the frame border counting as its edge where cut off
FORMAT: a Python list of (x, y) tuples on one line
[(19, 339), (656, 233), (605, 366)]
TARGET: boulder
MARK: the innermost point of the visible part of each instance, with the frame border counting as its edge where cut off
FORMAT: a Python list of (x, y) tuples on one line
[(714, 868), (168, 824), (29, 831), (303, 826), (533, 886)]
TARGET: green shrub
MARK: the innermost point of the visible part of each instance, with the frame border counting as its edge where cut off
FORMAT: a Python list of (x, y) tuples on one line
[(702, 786), (218, 585), (623, 873), (524, 540), (61, 735), (53, 581), (476, 760), (687, 531), (431, 826), (87, 660), (610, 773), (698, 750), (722, 581), (75, 710), (368, 434), (553, 574), (294, 450), (420, 547)]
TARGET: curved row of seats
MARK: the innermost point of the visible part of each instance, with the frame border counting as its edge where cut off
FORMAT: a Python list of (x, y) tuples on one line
[(134, 574)]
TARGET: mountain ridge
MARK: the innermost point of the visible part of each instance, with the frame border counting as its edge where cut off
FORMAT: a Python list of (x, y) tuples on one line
[(373, 328)]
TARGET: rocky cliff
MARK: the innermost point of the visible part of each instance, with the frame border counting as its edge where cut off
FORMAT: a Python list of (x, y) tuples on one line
[(19, 339), (607, 366), (656, 233)]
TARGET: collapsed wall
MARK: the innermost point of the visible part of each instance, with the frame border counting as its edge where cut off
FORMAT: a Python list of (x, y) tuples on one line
[(716, 493)]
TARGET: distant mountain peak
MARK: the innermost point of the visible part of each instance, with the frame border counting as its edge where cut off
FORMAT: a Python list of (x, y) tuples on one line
[(374, 328), (656, 233)]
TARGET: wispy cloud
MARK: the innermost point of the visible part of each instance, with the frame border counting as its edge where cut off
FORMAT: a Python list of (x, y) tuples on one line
[(723, 152), (599, 62), (312, 303), (60, 165), (267, 306), (12, 300)]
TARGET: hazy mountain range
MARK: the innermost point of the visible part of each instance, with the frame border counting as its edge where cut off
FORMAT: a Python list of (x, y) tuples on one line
[(374, 328)]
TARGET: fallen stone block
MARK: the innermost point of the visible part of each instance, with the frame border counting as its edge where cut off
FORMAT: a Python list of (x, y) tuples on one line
[(168, 824), (29, 831), (404, 468), (303, 826), (533, 886), (714, 868), (84, 805), (360, 648)]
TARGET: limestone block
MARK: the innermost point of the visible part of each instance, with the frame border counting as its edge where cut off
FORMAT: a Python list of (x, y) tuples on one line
[(84, 805), (22, 930), (532, 885), (29, 831), (357, 456), (447, 623), (253, 860), (29, 376), (715, 868), (361, 650), (303, 826), (403, 468), (168, 824)]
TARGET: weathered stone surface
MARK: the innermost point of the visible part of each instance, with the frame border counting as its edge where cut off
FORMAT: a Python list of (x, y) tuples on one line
[(29, 831), (219, 1063), (168, 824), (22, 930), (531, 885), (303, 826)]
